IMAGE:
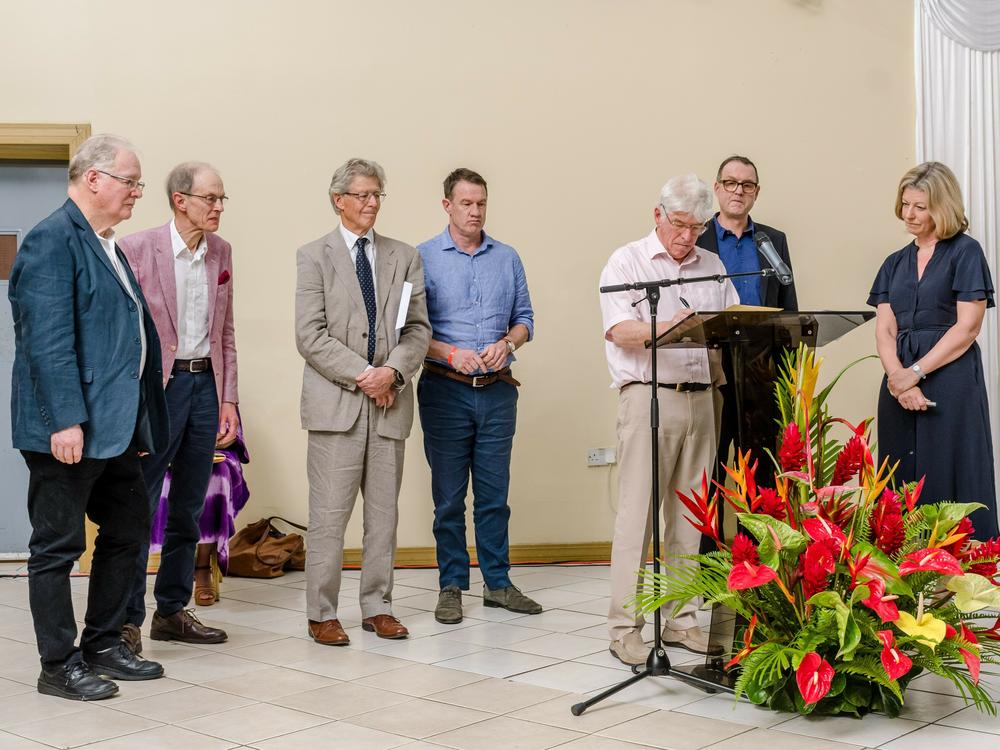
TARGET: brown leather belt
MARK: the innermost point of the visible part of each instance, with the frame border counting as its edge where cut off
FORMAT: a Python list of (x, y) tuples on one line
[(193, 365), (679, 387), (476, 381)]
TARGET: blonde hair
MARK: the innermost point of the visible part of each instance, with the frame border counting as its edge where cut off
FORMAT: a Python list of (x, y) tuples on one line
[(944, 197)]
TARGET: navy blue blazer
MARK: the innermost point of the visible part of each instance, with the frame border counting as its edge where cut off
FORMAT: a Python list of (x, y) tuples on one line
[(77, 346), (772, 292)]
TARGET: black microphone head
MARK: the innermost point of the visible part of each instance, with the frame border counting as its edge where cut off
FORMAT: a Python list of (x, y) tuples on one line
[(760, 238)]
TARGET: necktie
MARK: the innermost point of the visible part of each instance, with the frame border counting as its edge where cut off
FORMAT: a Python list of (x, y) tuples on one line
[(367, 292)]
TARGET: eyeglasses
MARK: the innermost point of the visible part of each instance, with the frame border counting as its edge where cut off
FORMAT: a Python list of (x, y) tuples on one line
[(749, 188), (363, 198), (132, 184), (698, 229), (209, 199)]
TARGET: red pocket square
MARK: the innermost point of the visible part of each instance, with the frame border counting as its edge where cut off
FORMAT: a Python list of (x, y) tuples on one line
[(223, 277)]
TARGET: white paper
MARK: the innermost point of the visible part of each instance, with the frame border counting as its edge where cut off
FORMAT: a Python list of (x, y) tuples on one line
[(404, 304)]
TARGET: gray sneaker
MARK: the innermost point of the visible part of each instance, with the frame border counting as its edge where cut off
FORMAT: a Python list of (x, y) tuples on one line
[(511, 599), (449, 606)]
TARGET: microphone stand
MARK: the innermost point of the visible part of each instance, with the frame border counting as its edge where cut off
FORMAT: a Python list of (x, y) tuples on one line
[(658, 663)]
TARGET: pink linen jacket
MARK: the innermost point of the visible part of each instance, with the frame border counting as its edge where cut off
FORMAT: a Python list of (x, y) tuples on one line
[(151, 256)]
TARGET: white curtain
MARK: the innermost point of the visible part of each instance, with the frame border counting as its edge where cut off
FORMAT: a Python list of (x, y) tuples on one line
[(957, 59)]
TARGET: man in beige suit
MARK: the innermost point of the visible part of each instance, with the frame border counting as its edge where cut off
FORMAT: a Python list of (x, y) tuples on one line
[(357, 401)]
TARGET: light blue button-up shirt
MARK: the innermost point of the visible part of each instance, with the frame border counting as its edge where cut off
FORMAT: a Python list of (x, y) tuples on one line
[(474, 300)]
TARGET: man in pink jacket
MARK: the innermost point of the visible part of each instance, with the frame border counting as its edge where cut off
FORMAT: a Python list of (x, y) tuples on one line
[(185, 271)]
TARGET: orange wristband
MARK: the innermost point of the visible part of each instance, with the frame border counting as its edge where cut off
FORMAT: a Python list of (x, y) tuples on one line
[(452, 354)]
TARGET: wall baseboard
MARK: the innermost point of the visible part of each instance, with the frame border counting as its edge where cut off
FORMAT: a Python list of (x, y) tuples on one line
[(425, 557)]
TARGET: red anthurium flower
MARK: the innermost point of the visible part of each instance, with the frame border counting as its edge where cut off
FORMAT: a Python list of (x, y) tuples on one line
[(886, 523), (937, 560), (819, 529), (895, 662), (818, 563), (792, 453), (747, 648), (910, 498), (705, 511), (884, 606), (746, 575), (814, 676)]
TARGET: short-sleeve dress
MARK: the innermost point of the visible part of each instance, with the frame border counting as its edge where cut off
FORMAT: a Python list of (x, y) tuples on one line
[(949, 444)]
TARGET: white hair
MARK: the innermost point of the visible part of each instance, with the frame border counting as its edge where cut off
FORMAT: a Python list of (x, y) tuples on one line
[(687, 194), (97, 152), (350, 169)]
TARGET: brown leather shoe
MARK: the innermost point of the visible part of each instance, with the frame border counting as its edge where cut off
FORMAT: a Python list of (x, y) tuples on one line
[(183, 626), (132, 637), (328, 633), (385, 626)]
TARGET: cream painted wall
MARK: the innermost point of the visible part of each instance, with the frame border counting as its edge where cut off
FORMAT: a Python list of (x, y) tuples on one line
[(576, 111)]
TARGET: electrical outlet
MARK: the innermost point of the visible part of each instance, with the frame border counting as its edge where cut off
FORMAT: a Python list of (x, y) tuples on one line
[(600, 456)]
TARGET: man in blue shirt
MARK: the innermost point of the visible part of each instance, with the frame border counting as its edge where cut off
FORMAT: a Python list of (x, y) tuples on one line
[(480, 313)]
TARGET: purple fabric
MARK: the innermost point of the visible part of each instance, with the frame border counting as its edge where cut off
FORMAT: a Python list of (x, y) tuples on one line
[(226, 495)]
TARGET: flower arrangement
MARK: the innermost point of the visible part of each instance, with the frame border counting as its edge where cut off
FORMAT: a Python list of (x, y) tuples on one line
[(846, 588)]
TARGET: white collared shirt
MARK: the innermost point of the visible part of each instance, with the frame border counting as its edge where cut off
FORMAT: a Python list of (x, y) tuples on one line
[(350, 238), (108, 243), (191, 277), (648, 260)]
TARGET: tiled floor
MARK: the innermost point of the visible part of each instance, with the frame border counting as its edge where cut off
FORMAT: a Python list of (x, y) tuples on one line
[(497, 680)]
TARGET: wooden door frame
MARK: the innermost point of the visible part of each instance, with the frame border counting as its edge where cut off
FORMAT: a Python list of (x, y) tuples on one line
[(41, 141)]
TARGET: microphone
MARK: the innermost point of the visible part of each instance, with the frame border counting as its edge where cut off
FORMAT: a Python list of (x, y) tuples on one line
[(766, 248)]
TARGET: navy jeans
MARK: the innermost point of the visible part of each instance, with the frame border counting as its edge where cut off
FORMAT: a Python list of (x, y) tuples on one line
[(194, 418), (469, 430)]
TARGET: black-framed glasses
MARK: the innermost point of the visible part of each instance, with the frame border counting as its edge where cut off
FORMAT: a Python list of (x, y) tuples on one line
[(132, 184), (209, 199), (749, 188), (363, 198)]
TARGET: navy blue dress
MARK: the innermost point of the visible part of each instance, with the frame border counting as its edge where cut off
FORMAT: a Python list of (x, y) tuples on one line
[(949, 444)]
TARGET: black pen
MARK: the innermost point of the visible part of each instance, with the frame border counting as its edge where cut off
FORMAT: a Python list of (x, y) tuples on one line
[(684, 302)]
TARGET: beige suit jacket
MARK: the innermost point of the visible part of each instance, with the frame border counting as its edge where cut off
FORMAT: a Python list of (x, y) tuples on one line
[(331, 330)]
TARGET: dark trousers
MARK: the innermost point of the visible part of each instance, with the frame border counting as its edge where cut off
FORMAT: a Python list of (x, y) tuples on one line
[(111, 492), (467, 430), (194, 418)]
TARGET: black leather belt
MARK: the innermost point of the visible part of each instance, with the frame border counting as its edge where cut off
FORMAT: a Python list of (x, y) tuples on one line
[(679, 387), (193, 365), (476, 381)]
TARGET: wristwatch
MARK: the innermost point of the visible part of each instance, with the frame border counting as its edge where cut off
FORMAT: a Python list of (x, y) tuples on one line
[(398, 382), (920, 373), (510, 345)]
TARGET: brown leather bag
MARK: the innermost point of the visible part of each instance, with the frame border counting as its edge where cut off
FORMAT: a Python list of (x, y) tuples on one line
[(260, 550)]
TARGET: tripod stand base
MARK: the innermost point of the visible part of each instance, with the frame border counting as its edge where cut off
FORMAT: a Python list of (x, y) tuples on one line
[(658, 665)]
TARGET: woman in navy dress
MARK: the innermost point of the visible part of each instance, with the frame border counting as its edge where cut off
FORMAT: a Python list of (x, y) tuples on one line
[(930, 298)]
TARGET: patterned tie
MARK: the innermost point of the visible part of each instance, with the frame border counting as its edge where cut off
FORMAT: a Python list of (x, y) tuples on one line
[(367, 292)]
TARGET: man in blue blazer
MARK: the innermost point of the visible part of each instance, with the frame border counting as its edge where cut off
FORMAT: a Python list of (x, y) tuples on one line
[(86, 400)]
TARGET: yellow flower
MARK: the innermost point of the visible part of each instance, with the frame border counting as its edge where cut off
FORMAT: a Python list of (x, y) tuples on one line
[(973, 592), (926, 627)]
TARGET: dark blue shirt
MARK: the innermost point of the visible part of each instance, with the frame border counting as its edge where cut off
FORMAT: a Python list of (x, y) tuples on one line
[(474, 300), (739, 255)]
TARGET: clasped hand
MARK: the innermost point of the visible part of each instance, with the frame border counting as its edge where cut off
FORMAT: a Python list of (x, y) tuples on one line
[(377, 383), (491, 358)]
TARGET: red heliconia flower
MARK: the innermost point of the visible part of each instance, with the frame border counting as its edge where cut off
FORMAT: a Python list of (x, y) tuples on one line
[(895, 662), (850, 460), (747, 647), (744, 550), (818, 563), (886, 523), (792, 453), (821, 530), (960, 537), (771, 503), (814, 676), (971, 658), (704, 510), (936, 560), (992, 633), (882, 605), (911, 497)]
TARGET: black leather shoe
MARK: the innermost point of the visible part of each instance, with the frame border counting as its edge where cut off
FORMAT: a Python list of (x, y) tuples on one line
[(76, 682), (119, 662)]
